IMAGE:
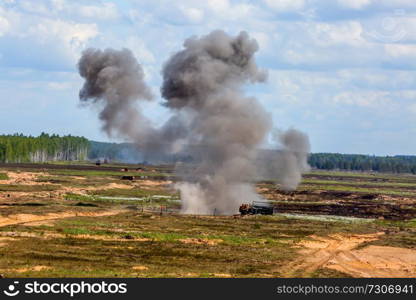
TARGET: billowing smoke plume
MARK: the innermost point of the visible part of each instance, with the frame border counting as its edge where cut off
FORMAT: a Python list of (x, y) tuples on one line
[(205, 80), (212, 120), (114, 82), (286, 164)]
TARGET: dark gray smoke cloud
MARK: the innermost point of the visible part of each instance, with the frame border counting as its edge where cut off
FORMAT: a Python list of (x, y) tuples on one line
[(212, 120), (114, 82), (204, 81)]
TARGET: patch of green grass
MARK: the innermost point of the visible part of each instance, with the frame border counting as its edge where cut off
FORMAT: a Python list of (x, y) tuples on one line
[(355, 189), (3, 176), (402, 239), (404, 224), (257, 226), (160, 236), (360, 183), (77, 231), (134, 192), (345, 174), (144, 201), (103, 173), (80, 230), (78, 197), (397, 234), (54, 179), (27, 188), (82, 222), (250, 247), (240, 240)]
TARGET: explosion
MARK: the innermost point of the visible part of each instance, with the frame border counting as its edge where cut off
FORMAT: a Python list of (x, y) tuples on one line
[(212, 120)]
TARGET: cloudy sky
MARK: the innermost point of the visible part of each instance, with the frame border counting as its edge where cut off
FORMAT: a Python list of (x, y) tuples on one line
[(342, 71)]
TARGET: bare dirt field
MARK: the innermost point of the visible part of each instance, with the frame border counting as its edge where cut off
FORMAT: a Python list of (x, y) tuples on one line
[(60, 220), (342, 253)]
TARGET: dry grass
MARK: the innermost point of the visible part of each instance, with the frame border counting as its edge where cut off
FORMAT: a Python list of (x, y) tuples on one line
[(74, 240)]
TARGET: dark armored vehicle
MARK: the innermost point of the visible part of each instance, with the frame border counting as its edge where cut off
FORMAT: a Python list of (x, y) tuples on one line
[(257, 208)]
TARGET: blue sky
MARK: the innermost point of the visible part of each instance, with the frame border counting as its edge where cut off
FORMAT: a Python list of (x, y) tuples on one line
[(343, 71)]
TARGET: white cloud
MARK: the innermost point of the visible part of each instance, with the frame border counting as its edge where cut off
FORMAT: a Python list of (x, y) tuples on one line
[(92, 10), (70, 33), (193, 14), (218, 5), (219, 11), (285, 5), (354, 4), (390, 28), (142, 53), (400, 50), (336, 62), (70, 37), (295, 81), (4, 25), (373, 99), (38, 40), (7, 21), (396, 3), (412, 108), (339, 33), (59, 4), (262, 38), (37, 7), (54, 85), (225, 12), (107, 11)]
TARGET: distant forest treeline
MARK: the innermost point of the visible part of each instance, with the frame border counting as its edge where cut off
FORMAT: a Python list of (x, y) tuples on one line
[(45, 147), (124, 152), (325, 161), (356, 162)]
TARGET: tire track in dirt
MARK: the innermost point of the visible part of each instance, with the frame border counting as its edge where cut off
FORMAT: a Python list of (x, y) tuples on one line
[(376, 261), (318, 251), (339, 252)]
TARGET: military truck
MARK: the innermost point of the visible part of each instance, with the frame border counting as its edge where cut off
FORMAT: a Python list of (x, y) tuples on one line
[(256, 208)]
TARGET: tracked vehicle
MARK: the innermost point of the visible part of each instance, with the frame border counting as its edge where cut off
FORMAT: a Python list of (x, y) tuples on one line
[(256, 208)]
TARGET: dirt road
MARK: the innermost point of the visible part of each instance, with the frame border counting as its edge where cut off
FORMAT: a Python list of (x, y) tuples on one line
[(339, 252)]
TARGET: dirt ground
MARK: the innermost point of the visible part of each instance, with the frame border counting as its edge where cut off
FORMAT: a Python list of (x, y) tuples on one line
[(27, 178), (32, 178), (36, 220), (340, 253), (319, 249)]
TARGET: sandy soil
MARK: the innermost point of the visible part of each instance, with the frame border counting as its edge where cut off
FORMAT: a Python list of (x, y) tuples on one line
[(10, 236), (24, 270), (34, 268), (29, 178), (5, 240), (140, 268), (29, 218), (26, 178), (84, 190), (376, 261), (153, 183), (338, 252), (199, 241)]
